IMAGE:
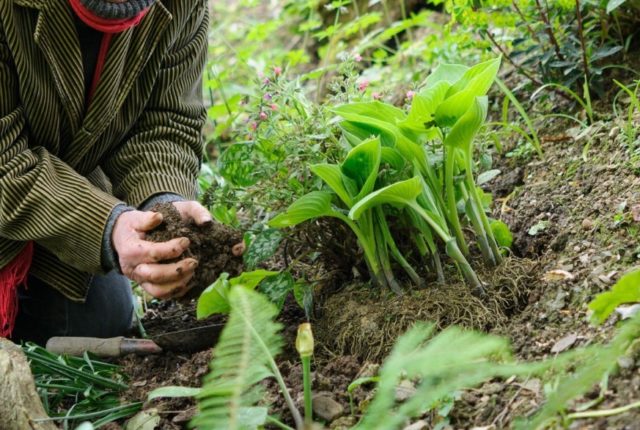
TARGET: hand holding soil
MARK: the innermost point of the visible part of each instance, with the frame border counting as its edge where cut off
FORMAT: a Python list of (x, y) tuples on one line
[(140, 260), (215, 247)]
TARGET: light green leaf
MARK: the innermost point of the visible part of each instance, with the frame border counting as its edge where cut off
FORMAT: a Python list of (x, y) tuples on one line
[(362, 165), (502, 233), (173, 392), (251, 280), (376, 110), (424, 106), (313, 205), (400, 193), (253, 418), (214, 300), (626, 290), (487, 176), (148, 419), (332, 175), (448, 73), (463, 132), (538, 228), (457, 104), (614, 4), (392, 157), (303, 294)]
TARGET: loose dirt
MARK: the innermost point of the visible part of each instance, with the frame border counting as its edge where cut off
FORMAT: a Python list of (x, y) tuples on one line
[(212, 245)]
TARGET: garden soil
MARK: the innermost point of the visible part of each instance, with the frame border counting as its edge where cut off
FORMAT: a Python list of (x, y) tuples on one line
[(576, 225)]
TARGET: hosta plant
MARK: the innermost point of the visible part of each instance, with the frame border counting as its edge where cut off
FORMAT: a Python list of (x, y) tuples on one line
[(416, 166)]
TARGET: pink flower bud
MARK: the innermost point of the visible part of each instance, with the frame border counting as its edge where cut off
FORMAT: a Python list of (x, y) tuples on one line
[(266, 81), (362, 86), (263, 116), (277, 70), (411, 95), (357, 57), (376, 96), (253, 126), (268, 97), (274, 106)]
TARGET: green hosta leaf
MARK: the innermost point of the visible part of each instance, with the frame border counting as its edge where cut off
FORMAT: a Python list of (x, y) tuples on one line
[(481, 74), (392, 157), (356, 132), (463, 132), (502, 233), (424, 106), (400, 193), (362, 165), (376, 110), (313, 205), (263, 247), (277, 288), (626, 290), (456, 105), (448, 73), (215, 299), (332, 175)]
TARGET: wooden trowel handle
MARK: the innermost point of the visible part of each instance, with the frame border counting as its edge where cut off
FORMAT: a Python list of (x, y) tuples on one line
[(112, 347)]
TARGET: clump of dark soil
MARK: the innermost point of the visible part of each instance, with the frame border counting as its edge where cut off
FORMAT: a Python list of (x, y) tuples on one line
[(212, 245)]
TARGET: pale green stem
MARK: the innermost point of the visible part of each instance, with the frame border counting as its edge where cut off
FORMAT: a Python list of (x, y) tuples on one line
[(452, 208), (395, 252), (473, 190)]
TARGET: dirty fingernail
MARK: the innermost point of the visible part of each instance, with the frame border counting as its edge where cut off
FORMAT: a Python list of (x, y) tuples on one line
[(193, 264), (184, 242)]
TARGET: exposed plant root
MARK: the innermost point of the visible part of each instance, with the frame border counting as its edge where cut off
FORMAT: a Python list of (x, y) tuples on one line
[(364, 322)]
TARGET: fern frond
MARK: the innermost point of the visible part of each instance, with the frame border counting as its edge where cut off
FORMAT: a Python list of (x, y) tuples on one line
[(452, 360), (243, 357)]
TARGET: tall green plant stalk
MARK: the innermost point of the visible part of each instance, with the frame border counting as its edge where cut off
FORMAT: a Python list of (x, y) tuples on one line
[(452, 204)]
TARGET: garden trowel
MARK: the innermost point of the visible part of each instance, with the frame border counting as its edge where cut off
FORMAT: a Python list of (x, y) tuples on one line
[(189, 340)]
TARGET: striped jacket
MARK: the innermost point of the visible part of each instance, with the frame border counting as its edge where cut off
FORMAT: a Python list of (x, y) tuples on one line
[(65, 166)]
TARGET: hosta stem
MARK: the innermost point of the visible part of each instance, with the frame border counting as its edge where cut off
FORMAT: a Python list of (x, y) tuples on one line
[(480, 211), (452, 248), (395, 252), (308, 399), (481, 235), (452, 207)]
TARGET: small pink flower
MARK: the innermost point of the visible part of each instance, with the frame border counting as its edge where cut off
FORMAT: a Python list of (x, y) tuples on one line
[(268, 97), (266, 81), (274, 106), (263, 116), (411, 95), (253, 126), (277, 70), (362, 86), (376, 96), (357, 57)]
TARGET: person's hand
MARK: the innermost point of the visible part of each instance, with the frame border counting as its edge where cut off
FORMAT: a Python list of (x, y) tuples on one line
[(140, 260), (194, 211)]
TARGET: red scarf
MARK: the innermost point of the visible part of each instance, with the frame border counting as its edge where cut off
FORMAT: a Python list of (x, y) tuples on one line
[(16, 272), (107, 26)]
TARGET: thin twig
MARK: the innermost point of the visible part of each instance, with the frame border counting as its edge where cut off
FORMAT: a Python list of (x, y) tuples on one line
[(583, 44), (604, 413), (549, 29), (533, 34), (506, 56)]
